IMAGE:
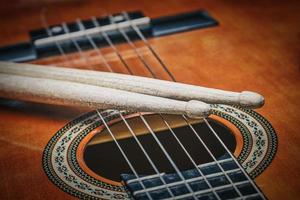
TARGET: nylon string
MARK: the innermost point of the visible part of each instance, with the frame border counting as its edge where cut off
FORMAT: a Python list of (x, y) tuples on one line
[(143, 38), (139, 33), (98, 113)]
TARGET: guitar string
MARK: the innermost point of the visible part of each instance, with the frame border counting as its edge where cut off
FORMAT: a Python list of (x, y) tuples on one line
[(179, 173), (123, 153), (111, 44), (137, 52), (190, 157), (133, 134), (79, 22), (147, 45), (213, 156), (207, 123), (98, 113), (167, 155), (49, 33), (109, 130), (85, 59), (173, 164), (67, 31), (241, 167), (175, 167), (210, 153), (94, 45), (146, 154), (140, 34), (171, 76)]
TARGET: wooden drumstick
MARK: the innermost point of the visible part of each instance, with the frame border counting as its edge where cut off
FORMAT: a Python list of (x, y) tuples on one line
[(78, 94), (137, 84)]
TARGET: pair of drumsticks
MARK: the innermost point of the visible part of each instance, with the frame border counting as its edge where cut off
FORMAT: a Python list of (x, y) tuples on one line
[(102, 90)]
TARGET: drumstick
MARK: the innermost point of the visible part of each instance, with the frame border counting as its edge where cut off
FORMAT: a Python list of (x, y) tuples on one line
[(137, 84), (78, 94)]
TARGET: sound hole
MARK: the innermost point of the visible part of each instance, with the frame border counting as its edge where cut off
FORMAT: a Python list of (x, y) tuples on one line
[(104, 158)]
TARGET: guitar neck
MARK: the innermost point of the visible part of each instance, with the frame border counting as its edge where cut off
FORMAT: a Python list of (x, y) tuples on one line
[(222, 179)]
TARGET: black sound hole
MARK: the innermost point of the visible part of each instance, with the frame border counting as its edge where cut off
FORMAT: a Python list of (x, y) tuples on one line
[(104, 158)]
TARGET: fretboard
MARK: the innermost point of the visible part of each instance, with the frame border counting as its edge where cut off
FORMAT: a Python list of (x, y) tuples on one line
[(223, 179)]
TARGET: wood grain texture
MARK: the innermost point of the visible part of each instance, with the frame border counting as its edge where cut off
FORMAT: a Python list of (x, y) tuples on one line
[(256, 47), (58, 92), (133, 84)]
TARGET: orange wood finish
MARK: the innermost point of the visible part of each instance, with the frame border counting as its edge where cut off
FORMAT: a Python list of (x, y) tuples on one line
[(256, 47)]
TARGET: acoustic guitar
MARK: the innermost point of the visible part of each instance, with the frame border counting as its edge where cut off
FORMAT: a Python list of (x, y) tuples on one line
[(60, 152)]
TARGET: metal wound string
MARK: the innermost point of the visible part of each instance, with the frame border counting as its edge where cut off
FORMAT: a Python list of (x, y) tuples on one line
[(207, 123)]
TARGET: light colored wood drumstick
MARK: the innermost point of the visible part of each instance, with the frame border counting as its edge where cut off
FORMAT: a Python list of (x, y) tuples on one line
[(136, 84), (78, 94)]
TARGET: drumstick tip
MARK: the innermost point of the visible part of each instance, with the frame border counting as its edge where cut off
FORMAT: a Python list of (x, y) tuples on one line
[(197, 109), (251, 99)]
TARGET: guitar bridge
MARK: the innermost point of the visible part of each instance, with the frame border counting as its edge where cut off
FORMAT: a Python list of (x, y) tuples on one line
[(44, 42)]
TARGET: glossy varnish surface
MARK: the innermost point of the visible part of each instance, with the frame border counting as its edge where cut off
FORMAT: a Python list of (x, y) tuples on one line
[(256, 47)]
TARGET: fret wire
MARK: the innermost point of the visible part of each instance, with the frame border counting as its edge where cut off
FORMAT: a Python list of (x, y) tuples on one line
[(218, 188), (227, 186), (248, 196), (192, 179), (146, 177)]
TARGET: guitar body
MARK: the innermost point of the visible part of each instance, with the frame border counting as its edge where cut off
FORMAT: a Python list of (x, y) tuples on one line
[(255, 47)]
